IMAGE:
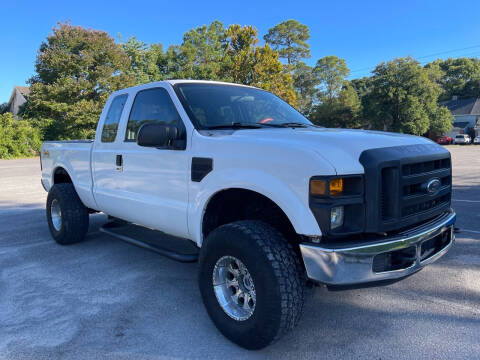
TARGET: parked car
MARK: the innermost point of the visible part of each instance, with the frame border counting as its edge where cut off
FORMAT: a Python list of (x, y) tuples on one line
[(268, 199), (463, 139), (476, 141), (444, 140)]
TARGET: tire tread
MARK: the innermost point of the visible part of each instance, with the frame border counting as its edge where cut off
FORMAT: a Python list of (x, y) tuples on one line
[(75, 217)]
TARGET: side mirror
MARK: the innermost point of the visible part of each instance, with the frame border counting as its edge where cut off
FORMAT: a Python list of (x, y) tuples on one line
[(159, 136)]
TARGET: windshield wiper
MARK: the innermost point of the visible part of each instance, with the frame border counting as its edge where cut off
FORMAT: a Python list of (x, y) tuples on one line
[(294, 124), (236, 125), (286, 124)]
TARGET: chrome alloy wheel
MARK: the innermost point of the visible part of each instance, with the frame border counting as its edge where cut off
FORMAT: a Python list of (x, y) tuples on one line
[(56, 214), (234, 288)]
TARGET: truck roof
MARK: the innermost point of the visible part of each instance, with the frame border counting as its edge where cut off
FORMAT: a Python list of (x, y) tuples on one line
[(178, 81)]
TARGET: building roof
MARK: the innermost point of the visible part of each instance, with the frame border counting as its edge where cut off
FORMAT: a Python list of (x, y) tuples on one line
[(461, 124), (24, 90), (470, 106)]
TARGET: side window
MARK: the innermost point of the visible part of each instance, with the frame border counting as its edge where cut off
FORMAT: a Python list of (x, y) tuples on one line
[(152, 106), (110, 126)]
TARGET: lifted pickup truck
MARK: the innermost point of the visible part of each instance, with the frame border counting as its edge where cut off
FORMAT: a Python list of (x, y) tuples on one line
[(270, 201)]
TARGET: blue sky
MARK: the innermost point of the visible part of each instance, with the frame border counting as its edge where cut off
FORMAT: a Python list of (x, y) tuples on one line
[(364, 33)]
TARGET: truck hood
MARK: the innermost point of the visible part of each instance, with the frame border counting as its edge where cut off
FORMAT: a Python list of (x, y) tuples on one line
[(341, 148)]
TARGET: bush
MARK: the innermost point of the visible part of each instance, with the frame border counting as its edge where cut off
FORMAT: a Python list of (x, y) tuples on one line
[(18, 138)]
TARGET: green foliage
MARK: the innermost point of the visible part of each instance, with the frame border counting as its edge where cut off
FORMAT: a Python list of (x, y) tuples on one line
[(331, 72), (305, 83), (441, 122), (289, 38), (3, 108), (269, 75), (201, 54), (76, 70), (253, 65), (403, 98), (18, 138), (343, 111), (459, 77), (241, 53), (144, 60)]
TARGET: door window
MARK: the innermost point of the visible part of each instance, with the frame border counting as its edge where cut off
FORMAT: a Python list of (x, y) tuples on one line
[(110, 126), (152, 106)]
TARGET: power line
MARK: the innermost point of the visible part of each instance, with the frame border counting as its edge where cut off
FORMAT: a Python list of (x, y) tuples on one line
[(447, 52), (426, 56), (470, 55)]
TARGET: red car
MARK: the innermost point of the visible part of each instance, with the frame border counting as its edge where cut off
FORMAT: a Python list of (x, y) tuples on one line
[(444, 140)]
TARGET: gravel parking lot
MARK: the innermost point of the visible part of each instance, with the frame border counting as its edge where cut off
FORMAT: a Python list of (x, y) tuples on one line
[(106, 299)]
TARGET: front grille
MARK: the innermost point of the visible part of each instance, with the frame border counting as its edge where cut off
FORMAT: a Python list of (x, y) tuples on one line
[(425, 205), (412, 197), (425, 166), (397, 186)]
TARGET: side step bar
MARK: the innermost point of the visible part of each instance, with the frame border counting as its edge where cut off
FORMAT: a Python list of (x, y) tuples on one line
[(145, 238)]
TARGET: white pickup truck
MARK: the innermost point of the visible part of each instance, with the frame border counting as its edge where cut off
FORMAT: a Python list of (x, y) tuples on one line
[(270, 201)]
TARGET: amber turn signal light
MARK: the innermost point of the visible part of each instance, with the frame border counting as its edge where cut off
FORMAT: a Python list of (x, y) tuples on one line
[(336, 186), (318, 187)]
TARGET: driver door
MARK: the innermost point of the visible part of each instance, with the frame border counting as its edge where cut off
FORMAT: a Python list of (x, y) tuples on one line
[(154, 186)]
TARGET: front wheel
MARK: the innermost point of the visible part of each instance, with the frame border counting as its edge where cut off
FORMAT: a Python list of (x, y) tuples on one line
[(66, 215), (252, 283)]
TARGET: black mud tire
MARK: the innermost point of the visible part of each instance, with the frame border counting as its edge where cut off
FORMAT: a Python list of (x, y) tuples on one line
[(277, 274), (74, 215)]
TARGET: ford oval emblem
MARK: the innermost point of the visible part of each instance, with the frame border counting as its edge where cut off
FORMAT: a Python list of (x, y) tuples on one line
[(433, 186)]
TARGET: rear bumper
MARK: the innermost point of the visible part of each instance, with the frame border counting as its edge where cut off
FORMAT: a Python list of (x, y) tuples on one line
[(407, 253)]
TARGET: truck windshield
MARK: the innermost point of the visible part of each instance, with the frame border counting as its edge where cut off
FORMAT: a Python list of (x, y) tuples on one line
[(213, 106)]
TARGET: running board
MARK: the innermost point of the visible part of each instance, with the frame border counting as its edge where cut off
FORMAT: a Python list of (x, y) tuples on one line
[(152, 240)]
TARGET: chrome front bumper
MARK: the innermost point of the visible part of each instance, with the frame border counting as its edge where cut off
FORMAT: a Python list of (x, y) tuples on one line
[(350, 265)]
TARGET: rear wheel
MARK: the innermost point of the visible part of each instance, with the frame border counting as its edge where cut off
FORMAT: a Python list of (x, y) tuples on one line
[(251, 282), (66, 215)]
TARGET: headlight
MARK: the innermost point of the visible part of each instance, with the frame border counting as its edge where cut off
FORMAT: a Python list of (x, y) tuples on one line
[(336, 217), (337, 202)]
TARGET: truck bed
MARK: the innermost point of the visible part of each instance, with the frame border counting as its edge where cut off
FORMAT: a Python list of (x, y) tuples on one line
[(74, 156)]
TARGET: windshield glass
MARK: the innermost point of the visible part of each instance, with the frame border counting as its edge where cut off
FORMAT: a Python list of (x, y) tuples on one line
[(216, 105)]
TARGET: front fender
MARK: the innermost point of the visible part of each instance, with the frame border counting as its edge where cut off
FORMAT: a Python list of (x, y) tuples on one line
[(296, 209)]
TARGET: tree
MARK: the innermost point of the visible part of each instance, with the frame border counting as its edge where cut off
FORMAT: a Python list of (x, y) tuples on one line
[(331, 72), (343, 111), (404, 98), (203, 50), (76, 70), (17, 138), (304, 82), (246, 63), (3, 108), (441, 122), (289, 38), (268, 74), (459, 76), (144, 60), (240, 51)]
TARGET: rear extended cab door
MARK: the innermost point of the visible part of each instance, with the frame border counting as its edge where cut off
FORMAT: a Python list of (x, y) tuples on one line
[(143, 185), (108, 143)]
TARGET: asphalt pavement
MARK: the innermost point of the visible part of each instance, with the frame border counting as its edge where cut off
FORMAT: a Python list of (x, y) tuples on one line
[(105, 299)]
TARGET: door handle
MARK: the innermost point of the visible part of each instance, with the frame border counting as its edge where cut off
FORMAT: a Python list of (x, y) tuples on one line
[(119, 163)]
